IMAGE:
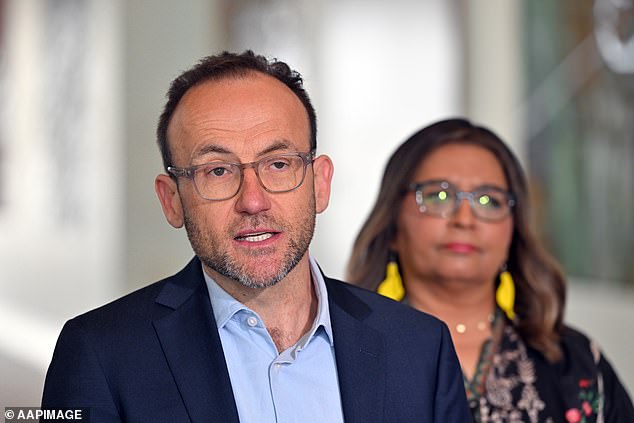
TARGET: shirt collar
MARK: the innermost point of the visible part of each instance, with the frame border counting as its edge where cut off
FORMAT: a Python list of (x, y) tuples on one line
[(323, 309), (224, 306)]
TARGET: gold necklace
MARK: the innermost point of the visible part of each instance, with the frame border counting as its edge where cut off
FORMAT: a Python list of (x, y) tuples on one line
[(480, 326)]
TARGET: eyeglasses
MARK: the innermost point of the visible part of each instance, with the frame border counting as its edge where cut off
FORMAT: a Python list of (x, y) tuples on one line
[(440, 198), (222, 180)]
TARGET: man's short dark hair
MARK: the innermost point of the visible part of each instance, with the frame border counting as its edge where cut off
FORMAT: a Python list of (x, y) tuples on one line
[(230, 65)]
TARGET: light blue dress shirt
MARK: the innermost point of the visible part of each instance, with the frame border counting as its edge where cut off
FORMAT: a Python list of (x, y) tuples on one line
[(297, 385)]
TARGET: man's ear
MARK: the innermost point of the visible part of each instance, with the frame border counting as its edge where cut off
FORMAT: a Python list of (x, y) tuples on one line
[(322, 170), (170, 199)]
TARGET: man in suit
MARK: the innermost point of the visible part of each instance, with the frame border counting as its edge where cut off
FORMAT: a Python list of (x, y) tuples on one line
[(251, 330)]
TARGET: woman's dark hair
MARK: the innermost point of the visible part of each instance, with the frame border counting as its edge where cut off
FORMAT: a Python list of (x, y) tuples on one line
[(540, 284), (230, 65)]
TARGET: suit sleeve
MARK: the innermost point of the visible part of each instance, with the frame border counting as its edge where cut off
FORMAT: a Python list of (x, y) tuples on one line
[(451, 400), (75, 377)]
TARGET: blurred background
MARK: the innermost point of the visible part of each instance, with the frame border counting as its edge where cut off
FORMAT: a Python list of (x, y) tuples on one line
[(82, 83)]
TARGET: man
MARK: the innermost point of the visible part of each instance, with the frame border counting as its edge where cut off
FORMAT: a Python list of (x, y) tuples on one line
[(251, 330)]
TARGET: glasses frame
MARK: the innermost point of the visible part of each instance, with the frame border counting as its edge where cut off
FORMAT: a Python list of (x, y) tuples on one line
[(459, 196), (190, 172)]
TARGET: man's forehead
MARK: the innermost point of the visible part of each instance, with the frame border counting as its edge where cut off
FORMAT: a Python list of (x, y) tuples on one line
[(218, 90), (216, 113), (247, 93)]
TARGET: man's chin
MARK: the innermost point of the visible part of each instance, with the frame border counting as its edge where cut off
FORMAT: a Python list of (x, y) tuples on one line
[(259, 271), (253, 275), (262, 275), (253, 283)]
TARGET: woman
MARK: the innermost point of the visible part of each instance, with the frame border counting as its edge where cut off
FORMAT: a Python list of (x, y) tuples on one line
[(452, 214)]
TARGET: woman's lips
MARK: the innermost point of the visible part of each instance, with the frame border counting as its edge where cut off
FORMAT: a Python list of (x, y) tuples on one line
[(459, 247)]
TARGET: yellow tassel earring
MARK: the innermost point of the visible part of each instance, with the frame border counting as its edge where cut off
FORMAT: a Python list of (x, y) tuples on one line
[(505, 294), (392, 285)]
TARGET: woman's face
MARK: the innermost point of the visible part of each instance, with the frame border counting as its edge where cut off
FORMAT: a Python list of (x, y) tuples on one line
[(460, 247)]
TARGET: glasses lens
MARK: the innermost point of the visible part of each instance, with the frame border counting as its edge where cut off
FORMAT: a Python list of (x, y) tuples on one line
[(281, 173), (491, 204), (436, 199), (217, 180)]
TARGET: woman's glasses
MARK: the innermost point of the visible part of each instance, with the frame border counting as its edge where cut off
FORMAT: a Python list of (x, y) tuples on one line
[(440, 198)]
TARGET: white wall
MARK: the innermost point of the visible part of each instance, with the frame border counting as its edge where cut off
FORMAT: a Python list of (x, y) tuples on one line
[(58, 221)]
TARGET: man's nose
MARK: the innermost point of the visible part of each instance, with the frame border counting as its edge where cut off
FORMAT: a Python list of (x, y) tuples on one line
[(252, 197)]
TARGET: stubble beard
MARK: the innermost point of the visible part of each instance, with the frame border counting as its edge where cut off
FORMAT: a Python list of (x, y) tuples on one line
[(209, 250)]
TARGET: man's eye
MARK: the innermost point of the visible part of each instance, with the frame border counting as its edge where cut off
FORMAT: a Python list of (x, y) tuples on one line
[(277, 165), (217, 171)]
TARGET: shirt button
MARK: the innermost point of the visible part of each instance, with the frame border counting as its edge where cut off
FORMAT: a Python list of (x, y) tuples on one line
[(252, 321), (277, 366)]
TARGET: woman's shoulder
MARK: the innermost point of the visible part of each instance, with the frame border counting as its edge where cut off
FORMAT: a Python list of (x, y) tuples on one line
[(574, 338), (587, 382), (580, 363), (579, 350)]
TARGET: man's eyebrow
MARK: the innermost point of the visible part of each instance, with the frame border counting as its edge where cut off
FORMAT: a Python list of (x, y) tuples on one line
[(212, 148), (276, 146)]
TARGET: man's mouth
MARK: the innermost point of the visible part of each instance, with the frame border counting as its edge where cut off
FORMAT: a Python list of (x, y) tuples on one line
[(255, 237)]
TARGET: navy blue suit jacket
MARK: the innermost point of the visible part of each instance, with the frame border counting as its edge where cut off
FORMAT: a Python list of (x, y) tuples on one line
[(155, 356)]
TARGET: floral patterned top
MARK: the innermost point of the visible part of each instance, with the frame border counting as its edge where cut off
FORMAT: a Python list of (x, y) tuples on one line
[(515, 383)]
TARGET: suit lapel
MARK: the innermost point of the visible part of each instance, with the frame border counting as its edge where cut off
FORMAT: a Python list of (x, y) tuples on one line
[(193, 350), (359, 351)]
